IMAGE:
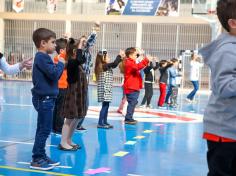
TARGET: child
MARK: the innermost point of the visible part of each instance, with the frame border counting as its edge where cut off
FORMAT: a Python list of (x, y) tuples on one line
[(220, 115), (163, 81), (45, 89), (132, 82), (87, 44), (104, 77), (75, 104), (195, 66), (172, 91), (149, 72), (58, 121)]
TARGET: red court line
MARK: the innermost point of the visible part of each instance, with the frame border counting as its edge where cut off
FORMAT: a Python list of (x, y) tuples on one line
[(159, 114)]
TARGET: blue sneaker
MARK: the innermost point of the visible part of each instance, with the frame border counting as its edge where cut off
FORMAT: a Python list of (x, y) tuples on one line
[(41, 165), (51, 162)]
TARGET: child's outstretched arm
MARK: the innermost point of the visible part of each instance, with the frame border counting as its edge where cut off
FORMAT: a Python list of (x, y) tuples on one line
[(136, 67), (112, 64), (91, 41)]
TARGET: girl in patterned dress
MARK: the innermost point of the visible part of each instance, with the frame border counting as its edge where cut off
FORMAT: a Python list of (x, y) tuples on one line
[(104, 77)]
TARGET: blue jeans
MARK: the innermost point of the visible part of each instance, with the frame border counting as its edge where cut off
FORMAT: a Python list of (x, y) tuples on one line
[(196, 87), (132, 99), (168, 94), (44, 106), (103, 113)]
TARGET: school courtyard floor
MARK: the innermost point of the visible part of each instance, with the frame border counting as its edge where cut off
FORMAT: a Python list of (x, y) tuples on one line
[(163, 143)]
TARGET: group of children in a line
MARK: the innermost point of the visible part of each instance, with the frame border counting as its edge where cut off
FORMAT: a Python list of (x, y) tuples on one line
[(219, 117)]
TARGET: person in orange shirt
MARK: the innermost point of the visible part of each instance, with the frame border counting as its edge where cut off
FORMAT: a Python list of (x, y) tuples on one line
[(58, 121)]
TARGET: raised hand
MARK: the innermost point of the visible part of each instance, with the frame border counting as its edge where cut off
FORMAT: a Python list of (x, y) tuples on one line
[(27, 63), (150, 58), (122, 53)]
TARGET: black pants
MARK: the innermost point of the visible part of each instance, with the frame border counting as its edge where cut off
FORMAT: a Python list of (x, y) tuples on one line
[(148, 93), (58, 121), (221, 158)]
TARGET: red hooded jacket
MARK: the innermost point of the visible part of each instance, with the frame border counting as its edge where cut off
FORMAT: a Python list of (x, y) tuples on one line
[(133, 79)]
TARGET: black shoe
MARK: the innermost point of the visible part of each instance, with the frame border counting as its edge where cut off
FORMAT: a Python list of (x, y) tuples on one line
[(131, 122), (81, 128), (77, 146), (60, 147), (110, 126)]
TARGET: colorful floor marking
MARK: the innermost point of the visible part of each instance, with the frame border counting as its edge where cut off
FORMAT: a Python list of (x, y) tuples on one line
[(147, 131), (120, 153), (130, 142), (35, 171), (26, 143), (98, 171), (154, 113), (158, 124), (64, 167), (139, 137)]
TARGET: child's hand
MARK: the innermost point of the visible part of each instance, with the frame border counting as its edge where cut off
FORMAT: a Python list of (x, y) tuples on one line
[(150, 58), (61, 59), (122, 53), (81, 45), (156, 59), (67, 35), (27, 63), (96, 27)]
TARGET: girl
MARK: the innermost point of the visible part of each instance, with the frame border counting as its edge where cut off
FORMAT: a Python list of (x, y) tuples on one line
[(172, 91), (163, 81), (194, 75), (75, 103), (104, 77), (132, 82), (149, 72)]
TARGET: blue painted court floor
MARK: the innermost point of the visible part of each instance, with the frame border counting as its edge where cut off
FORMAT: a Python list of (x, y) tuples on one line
[(163, 143)]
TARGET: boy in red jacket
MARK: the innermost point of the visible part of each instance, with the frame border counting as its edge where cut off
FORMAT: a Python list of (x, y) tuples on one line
[(132, 82)]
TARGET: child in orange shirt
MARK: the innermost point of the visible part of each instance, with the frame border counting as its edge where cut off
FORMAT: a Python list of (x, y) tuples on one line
[(58, 120)]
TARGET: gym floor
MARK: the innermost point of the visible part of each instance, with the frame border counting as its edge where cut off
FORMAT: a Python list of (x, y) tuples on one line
[(163, 143)]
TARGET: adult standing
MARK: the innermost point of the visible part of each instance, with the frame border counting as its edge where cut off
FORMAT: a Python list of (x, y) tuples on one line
[(195, 66)]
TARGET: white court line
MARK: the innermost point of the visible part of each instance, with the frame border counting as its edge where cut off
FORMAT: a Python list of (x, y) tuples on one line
[(27, 143), (64, 167), (11, 104)]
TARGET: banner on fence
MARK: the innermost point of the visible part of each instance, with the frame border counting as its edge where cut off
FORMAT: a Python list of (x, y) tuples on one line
[(142, 7)]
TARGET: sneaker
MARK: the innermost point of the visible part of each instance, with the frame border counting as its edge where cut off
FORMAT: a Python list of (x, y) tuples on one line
[(81, 128), (103, 126), (149, 107), (188, 100), (41, 165), (142, 106), (131, 122), (110, 126), (51, 162)]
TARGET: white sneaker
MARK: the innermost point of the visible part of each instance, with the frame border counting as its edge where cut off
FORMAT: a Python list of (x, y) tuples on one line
[(142, 106), (188, 100)]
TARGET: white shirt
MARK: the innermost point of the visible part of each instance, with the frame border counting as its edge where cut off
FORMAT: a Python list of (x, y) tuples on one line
[(9, 69), (195, 70)]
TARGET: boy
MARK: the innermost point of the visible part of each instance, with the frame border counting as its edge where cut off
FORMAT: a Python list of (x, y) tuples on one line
[(220, 115), (132, 81), (58, 121), (45, 78)]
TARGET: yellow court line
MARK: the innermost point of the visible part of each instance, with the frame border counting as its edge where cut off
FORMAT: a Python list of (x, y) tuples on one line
[(36, 171)]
